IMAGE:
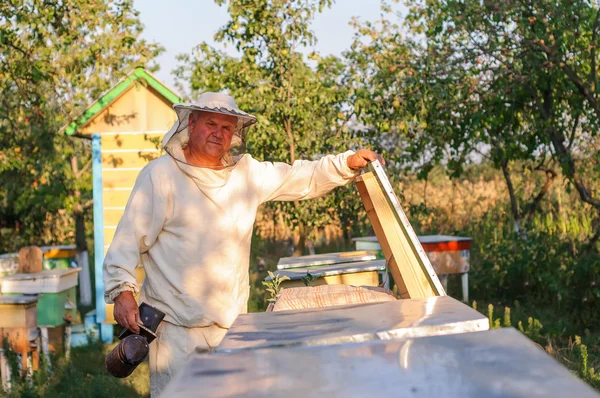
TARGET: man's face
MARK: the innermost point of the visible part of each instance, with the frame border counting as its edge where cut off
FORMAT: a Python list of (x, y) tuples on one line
[(210, 134)]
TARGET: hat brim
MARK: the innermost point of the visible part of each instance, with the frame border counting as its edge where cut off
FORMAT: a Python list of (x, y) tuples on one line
[(183, 111)]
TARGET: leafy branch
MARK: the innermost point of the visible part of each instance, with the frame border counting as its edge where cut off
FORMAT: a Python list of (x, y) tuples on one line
[(274, 285)]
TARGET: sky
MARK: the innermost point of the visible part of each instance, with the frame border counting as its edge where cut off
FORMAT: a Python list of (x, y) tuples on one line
[(179, 25)]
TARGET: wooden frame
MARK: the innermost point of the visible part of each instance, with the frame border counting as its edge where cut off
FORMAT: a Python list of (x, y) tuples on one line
[(405, 257)]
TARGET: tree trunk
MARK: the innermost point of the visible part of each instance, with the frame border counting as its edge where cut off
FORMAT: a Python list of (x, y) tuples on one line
[(514, 204), (299, 250)]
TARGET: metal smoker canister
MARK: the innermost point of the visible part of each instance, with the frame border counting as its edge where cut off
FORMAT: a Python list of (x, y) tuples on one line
[(127, 355), (133, 348)]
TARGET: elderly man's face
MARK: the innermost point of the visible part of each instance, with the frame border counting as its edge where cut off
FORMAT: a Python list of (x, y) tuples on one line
[(210, 135)]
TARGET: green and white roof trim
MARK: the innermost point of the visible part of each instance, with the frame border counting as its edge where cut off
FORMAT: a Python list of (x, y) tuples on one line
[(113, 93)]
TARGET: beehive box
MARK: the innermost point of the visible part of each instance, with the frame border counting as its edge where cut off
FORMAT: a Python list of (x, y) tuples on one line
[(496, 363), (448, 254), (18, 312), (56, 290), (353, 323), (362, 273), (325, 259), (52, 281)]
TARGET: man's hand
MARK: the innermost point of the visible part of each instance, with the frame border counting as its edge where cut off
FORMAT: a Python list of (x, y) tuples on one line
[(127, 313), (361, 158)]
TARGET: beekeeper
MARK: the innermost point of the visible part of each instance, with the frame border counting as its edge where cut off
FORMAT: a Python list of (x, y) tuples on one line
[(189, 219)]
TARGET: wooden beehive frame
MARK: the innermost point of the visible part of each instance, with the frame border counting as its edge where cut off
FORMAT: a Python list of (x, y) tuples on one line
[(405, 257)]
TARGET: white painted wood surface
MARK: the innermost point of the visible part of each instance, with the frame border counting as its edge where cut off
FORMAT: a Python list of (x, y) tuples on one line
[(52, 281), (422, 239), (497, 363), (324, 259), (330, 270), (11, 300), (353, 323)]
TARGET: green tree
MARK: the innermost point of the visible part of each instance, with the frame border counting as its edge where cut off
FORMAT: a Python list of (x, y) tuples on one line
[(445, 106), (301, 108), (540, 60), (55, 58)]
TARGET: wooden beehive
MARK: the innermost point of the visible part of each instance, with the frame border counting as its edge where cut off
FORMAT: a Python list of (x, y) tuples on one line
[(329, 296), (362, 273), (381, 320), (18, 312), (495, 363)]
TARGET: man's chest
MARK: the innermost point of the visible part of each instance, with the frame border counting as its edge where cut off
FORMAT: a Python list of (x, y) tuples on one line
[(220, 209)]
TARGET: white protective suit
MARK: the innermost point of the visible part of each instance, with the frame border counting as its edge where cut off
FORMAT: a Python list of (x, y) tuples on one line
[(192, 228)]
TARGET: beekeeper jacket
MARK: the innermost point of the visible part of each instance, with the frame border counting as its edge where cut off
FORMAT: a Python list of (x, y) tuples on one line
[(192, 229)]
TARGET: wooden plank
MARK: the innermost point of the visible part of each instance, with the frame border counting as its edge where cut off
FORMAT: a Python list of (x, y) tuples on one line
[(119, 116), (109, 233), (353, 323), (160, 115), (31, 259), (118, 178), (111, 142), (128, 159), (13, 316), (18, 316), (405, 257), (49, 281), (496, 363), (329, 296), (112, 217), (115, 198), (325, 259)]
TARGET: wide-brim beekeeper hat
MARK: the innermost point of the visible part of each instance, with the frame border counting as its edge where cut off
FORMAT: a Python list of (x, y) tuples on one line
[(178, 136)]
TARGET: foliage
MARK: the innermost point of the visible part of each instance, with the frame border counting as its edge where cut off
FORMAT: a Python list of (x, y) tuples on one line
[(84, 375), (555, 266), (571, 352), (520, 80), (309, 279), (55, 59), (273, 286), (301, 109)]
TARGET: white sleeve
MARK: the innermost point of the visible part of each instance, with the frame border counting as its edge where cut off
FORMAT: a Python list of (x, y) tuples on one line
[(305, 179), (138, 229)]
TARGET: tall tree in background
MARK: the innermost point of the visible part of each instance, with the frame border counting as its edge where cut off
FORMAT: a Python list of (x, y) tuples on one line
[(301, 109), (537, 59), (55, 58)]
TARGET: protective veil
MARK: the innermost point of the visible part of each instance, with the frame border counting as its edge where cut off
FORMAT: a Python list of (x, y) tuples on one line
[(178, 136), (192, 228)]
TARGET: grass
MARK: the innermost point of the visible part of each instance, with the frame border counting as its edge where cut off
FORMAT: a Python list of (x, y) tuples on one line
[(580, 354), (83, 376)]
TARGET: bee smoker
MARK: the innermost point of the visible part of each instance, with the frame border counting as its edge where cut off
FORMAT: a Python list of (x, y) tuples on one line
[(133, 348)]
